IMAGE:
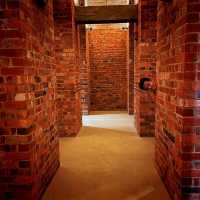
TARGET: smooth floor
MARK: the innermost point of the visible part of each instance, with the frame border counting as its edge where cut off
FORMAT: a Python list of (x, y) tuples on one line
[(107, 161)]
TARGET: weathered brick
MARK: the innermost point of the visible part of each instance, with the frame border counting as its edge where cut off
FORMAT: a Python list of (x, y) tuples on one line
[(67, 62), (177, 103), (145, 66), (27, 76), (84, 69)]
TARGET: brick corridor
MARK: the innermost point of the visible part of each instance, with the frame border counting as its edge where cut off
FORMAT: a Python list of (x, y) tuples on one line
[(107, 161), (52, 69)]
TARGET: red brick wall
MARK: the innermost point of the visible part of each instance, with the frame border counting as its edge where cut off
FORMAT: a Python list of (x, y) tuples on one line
[(67, 70), (84, 70), (108, 68), (145, 66), (130, 70), (28, 137), (177, 119)]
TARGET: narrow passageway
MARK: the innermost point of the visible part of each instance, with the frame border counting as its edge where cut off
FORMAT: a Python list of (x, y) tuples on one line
[(107, 161), (61, 59)]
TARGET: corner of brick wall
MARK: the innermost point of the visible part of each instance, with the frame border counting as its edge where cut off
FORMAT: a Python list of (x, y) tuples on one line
[(177, 117), (130, 68), (84, 70), (145, 66), (28, 136), (67, 70)]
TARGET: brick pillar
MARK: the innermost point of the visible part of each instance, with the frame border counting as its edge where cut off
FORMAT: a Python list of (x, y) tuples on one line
[(84, 71), (145, 66), (67, 69), (28, 137), (177, 119), (130, 71)]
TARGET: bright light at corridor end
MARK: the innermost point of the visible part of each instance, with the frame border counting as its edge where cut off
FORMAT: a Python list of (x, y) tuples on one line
[(76, 2), (105, 2)]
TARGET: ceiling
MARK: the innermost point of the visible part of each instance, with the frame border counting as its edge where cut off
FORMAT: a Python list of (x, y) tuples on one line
[(104, 3)]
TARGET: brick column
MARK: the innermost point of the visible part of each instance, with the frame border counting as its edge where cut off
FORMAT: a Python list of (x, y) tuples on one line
[(145, 66), (177, 119), (28, 136), (130, 71), (67, 69), (84, 71)]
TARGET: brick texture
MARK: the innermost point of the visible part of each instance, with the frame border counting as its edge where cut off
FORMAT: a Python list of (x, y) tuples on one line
[(67, 69), (108, 68), (28, 136), (145, 66), (84, 70), (130, 69), (177, 118)]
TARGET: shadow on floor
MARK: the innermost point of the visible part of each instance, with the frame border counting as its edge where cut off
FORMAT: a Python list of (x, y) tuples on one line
[(92, 131)]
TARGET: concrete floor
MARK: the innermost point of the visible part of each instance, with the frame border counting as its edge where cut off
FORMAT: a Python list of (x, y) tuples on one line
[(107, 161)]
